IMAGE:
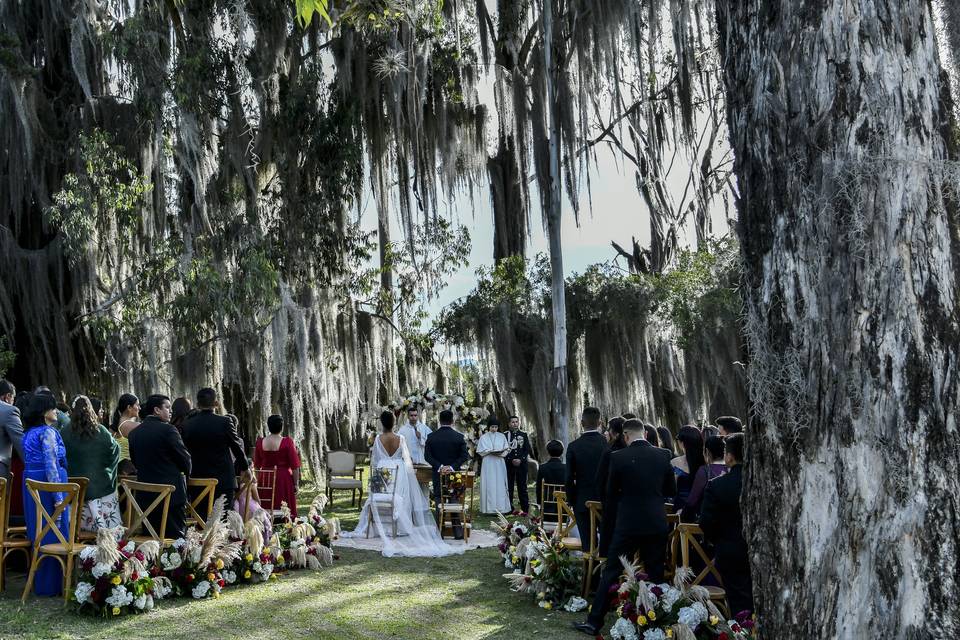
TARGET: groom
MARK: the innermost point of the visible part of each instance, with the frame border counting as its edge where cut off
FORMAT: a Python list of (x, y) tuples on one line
[(445, 451)]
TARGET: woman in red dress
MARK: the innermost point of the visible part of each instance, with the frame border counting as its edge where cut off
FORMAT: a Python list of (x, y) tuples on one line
[(278, 452)]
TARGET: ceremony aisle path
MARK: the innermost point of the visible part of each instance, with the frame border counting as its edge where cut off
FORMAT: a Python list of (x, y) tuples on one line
[(362, 596)]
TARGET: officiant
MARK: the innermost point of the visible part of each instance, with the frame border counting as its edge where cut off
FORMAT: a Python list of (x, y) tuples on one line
[(415, 432), (493, 447)]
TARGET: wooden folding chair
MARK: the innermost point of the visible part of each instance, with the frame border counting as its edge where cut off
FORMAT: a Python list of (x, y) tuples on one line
[(82, 482), (547, 500), (136, 517), (67, 547), (565, 522), (592, 559), (462, 507), (689, 534), (267, 489), (673, 542), (9, 545), (207, 486)]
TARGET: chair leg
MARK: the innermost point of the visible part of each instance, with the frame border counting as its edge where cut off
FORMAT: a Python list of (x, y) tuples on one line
[(33, 572), (587, 576), (3, 570), (67, 579)]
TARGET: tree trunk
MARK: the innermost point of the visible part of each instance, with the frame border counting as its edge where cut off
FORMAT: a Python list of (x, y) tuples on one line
[(560, 403), (851, 487)]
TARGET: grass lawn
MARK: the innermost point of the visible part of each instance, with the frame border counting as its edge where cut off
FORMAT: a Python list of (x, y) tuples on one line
[(362, 596)]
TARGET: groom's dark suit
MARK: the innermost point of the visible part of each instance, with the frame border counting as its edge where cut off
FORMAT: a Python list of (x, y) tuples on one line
[(444, 447)]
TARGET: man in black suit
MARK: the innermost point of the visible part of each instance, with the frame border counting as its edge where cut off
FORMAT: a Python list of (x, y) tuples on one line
[(583, 460), (157, 451), (445, 451), (216, 448), (729, 425), (722, 523), (639, 481), (517, 464), (553, 471)]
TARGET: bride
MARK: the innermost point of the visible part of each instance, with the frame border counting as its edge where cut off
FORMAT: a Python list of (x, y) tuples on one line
[(396, 510)]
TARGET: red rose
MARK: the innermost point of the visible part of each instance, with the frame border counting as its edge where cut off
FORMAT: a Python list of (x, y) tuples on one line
[(221, 582), (134, 576), (723, 636), (189, 577)]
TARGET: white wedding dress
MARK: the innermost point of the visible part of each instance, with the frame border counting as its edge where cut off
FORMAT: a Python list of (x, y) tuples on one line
[(417, 532)]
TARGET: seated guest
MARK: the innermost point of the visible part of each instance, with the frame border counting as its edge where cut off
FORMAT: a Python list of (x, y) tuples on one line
[(93, 453), (712, 468), (126, 418), (553, 471), (729, 425), (583, 460), (653, 437), (180, 410), (45, 460), (278, 452), (666, 439), (214, 445), (722, 523), (709, 431), (687, 465), (161, 458), (640, 480)]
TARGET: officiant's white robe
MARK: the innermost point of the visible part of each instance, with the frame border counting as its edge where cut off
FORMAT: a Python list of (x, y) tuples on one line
[(410, 435), (493, 473)]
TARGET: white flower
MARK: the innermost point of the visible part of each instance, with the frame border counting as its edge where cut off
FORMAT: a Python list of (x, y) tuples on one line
[(575, 604), (171, 560), (179, 543), (130, 548), (195, 554), (88, 552), (229, 576), (200, 591), (693, 615), (100, 569), (140, 602), (120, 597), (653, 634), (669, 597), (623, 629), (160, 589), (82, 592), (538, 570), (149, 603), (507, 563)]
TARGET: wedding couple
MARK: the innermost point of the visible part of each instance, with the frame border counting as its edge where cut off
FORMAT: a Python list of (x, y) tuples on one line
[(396, 510)]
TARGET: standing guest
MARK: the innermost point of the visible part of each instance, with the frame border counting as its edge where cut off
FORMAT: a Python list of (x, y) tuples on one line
[(161, 458), (493, 448), (729, 425), (215, 447), (126, 418), (653, 437), (687, 465), (713, 467), (445, 451), (640, 480), (710, 431), (45, 459), (278, 452), (180, 410), (583, 460), (11, 428), (517, 458), (722, 523), (616, 441), (666, 439), (93, 454), (415, 433), (553, 471)]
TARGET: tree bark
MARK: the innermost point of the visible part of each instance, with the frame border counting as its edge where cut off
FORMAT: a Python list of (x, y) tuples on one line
[(849, 272)]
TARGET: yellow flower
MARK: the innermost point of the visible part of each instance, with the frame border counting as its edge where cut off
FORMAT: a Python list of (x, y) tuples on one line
[(248, 557), (211, 577), (288, 526), (669, 632), (541, 595), (652, 614), (247, 574), (116, 611), (714, 620), (548, 606), (116, 580), (280, 559), (642, 621), (216, 594), (273, 576), (219, 563)]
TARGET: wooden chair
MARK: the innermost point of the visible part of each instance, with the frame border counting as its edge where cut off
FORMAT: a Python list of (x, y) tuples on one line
[(565, 523), (462, 506), (80, 481), (18, 532), (592, 560), (136, 517), (673, 542), (206, 486), (548, 499), (344, 475), (267, 489), (688, 535), (9, 545), (383, 497), (67, 547)]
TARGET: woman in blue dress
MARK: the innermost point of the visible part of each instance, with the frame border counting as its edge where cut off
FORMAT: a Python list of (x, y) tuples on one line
[(45, 459)]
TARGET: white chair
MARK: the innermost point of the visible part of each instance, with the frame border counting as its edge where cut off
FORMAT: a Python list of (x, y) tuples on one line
[(383, 497), (344, 475)]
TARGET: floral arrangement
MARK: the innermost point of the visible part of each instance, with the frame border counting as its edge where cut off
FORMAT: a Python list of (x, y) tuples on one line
[(513, 535), (455, 486), (194, 563), (681, 610), (299, 543), (114, 576)]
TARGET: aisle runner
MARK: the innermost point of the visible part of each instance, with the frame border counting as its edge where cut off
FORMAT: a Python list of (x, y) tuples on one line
[(479, 539)]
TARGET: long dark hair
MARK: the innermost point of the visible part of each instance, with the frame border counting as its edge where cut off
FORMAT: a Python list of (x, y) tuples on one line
[(692, 447), (126, 401), (180, 411), (83, 419), (666, 438), (615, 426), (39, 404)]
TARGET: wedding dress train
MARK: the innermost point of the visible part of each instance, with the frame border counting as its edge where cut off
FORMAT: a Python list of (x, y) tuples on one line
[(417, 534)]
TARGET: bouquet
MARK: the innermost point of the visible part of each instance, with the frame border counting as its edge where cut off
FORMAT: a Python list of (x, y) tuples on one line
[(114, 577), (455, 486), (304, 542), (194, 563), (680, 610), (539, 563)]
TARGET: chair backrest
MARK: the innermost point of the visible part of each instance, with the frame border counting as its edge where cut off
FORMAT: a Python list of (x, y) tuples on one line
[(207, 486), (689, 534), (267, 487), (596, 517), (383, 479), (81, 482), (48, 522), (341, 463), (547, 497), (137, 517), (4, 508), (565, 517)]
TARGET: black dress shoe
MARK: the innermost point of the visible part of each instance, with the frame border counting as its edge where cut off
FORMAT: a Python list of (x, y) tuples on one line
[(587, 628)]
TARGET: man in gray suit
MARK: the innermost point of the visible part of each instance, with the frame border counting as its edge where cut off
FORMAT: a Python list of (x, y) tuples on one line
[(11, 429)]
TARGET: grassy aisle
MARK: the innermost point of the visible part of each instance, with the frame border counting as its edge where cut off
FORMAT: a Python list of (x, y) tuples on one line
[(362, 596)]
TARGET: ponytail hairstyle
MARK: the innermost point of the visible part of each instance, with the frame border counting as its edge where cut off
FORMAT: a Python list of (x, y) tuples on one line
[(126, 401)]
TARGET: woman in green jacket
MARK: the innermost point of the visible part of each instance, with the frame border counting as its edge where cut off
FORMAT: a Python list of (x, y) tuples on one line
[(93, 453)]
